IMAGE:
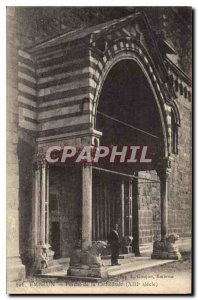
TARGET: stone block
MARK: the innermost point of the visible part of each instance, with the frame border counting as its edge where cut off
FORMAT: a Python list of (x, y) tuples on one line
[(80, 271)]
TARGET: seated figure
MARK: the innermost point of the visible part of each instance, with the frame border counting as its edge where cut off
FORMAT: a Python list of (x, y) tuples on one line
[(44, 257)]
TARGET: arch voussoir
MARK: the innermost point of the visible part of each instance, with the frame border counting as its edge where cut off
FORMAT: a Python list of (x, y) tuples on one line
[(127, 49)]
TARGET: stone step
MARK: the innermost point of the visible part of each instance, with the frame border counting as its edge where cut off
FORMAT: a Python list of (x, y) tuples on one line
[(64, 260), (52, 269), (132, 266), (121, 256), (128, 267)]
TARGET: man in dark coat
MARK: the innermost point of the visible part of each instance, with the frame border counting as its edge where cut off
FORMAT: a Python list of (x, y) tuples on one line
[(113, 240)]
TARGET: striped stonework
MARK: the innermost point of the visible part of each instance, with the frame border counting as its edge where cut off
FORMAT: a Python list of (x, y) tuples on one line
[(130, 48), (27, 91), (60, 80), (64, 91), (180, 82)]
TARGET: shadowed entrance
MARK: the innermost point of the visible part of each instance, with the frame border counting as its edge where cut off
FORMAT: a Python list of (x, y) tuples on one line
[(127, 114)]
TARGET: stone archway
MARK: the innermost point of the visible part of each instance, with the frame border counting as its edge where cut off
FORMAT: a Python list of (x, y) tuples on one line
[(125, 96), (83, 91), (161, 114), (127, 49)]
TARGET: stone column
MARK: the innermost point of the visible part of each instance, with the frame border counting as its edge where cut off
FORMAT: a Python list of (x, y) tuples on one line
[(43, 201), (86, 206), (83, 262), (122, 208), (41, 213), (130, 208), (163, 175), (36, 205), (47, 206), (165, 248)]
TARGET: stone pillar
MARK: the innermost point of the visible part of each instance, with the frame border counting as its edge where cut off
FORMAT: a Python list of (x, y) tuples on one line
[(36, 205), (87, 261), (43, 201), (86, 206), (130, 207), (41, 213), (122, 208), (165, 248), (163, 175), (47, 206)]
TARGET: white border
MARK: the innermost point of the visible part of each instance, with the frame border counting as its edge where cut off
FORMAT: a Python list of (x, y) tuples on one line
[(3, 5)]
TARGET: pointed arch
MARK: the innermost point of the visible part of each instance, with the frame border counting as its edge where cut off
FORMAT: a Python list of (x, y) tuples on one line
[(130, 50)]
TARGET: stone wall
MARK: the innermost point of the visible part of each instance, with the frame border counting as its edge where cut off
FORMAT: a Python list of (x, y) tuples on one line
[(149, 207), (15, 270), (180, 182), (180, 186), (65, 192), (25, 156)]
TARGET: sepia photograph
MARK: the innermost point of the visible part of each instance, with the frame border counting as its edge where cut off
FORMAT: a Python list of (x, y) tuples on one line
[(99, 150)]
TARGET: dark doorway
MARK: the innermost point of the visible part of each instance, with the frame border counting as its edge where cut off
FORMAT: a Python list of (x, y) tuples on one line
[(55, 239)]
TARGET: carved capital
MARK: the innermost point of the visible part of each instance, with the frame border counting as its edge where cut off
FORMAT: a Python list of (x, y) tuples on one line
[(163, 173), (36, 163), (164, 167), (39, 161), (165, 162), (44, 163)]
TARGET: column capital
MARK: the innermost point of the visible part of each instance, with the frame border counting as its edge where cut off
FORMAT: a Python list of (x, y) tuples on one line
[(39, 161), (163, 173), (44, 164), (164, 166)]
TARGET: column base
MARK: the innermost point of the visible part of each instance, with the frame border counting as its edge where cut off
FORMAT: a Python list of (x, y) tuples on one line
[(88, 263), (166, 255), (86, 271), (166, 249), (15, 269)]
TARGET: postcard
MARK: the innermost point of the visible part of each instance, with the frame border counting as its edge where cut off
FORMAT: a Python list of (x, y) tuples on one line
[(99, 150)]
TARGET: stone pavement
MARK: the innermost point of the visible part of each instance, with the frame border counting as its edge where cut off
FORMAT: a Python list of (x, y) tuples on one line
[(169, 278), (127, 265)]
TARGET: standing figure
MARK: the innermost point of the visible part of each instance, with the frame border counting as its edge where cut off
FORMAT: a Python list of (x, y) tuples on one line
[(113, 240)]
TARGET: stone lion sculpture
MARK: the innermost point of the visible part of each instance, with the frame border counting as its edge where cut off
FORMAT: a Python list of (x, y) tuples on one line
[(167, 244), (89, 257)]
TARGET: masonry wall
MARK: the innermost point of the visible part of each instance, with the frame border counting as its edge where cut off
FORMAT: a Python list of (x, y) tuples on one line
[(180, 186), (180, 182), (149, 211), (12, 140), (65, 207), (15, 270), (25, 156), (63, 90)]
